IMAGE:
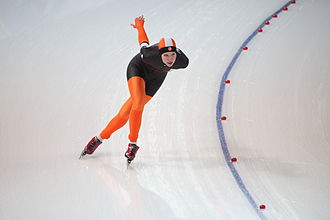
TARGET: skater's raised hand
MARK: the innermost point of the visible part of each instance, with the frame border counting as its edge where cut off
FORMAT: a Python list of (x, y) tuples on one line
[(142, 36), (139, 22)]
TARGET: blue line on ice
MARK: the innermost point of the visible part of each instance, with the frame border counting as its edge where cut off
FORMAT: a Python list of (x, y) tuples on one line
[(223, 142)]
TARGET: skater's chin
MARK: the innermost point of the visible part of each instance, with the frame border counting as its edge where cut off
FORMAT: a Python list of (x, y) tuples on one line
[(169, 64)]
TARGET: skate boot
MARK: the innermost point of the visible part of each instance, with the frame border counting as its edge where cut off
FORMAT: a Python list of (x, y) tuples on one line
[(91, 147), (131, 151)]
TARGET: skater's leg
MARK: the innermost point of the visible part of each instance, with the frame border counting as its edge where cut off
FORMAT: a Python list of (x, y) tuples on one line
[(118, 121), (139, 99), (122, 117)]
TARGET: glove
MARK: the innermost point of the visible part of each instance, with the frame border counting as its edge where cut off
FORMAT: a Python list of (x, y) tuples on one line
[(139, 22), (142, 36)]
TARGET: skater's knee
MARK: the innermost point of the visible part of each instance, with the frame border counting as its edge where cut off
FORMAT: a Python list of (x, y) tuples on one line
[(126, 109), (138, 103), (138, 106), (124, 115)]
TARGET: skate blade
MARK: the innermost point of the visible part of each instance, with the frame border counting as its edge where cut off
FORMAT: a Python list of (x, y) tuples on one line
[(128, 163), (83, 153)]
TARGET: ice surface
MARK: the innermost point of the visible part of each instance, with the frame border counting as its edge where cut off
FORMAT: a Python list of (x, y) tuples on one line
[(63, 66)]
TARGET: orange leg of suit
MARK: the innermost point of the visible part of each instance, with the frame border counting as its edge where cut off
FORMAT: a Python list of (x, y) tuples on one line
[(131, 110)]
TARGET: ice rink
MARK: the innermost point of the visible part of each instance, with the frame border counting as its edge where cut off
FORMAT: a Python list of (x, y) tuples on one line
[(63, 77)]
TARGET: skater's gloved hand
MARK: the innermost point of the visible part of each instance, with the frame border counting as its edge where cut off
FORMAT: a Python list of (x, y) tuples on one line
[(142, 36), (139, 22)]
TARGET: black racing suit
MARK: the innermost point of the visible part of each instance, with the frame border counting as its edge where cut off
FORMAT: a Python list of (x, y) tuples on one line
[(148, 65)]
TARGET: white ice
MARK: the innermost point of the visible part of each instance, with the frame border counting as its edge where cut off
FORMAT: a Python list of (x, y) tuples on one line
[(63, 77)]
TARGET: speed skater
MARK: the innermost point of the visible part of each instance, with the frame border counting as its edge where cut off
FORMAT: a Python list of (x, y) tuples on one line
[(146, 73)]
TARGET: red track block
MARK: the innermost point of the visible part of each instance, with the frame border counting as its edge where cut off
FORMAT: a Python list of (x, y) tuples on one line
[(275, 16), (223, 118), (285, 9), (260, 30), (234, 159), (245, 48), (267, 23), (227, 81), (293, 2), (262, 207)]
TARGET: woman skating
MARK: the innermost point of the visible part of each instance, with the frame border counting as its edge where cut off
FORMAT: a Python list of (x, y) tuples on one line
[(145, 74)]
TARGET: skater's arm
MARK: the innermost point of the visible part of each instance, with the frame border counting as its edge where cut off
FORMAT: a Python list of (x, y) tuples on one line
[(142, 35)]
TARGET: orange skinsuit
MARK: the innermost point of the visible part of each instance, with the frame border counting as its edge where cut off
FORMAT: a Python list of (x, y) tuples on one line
[(133, 108)]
